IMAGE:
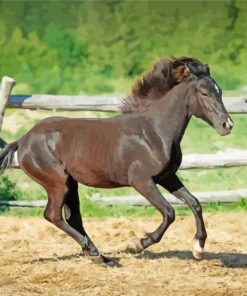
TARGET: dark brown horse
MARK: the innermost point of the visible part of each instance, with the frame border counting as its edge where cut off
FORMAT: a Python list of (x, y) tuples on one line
[(140, 148)]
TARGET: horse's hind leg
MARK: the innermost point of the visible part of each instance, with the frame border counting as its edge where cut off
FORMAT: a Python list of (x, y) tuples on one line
[(73, 215), (41, 165), (53, 213)]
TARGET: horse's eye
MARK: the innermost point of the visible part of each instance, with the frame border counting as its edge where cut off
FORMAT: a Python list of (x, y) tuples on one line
[(204, 94)]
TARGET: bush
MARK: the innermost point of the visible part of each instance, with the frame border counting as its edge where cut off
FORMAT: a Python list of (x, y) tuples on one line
[(8, 189)]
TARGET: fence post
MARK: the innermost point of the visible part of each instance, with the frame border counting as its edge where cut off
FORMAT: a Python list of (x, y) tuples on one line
[(5, 90)]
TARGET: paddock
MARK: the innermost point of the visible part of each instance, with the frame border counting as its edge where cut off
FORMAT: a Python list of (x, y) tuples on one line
[(38, 259)]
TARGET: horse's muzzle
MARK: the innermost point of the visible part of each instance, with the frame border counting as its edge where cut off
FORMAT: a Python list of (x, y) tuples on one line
[(226, 127)]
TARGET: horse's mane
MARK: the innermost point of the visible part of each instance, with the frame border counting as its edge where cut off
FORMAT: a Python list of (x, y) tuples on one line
[(165, 74)]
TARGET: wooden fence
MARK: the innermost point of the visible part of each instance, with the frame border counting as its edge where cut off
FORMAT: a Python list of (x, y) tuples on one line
[(227, 158)]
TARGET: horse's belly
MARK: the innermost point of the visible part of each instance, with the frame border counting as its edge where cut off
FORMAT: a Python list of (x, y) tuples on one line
[(96, 178)]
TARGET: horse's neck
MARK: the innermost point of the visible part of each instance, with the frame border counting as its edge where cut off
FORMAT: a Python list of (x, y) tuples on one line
[(170, 115)]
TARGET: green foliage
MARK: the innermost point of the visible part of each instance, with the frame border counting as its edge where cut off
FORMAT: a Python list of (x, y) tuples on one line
[(101, 46), (69, 49), (8, 189)]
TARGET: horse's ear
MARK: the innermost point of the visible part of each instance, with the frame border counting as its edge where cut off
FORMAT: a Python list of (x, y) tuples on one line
[(181, 73), (207, 69)]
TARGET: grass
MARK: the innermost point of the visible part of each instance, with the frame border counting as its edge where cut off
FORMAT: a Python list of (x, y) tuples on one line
[(199, 138), (101, 211)]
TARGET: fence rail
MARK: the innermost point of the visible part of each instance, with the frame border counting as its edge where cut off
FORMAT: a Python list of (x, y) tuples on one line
[(203, 197), (73, 103), (95, 103), (138, 200)]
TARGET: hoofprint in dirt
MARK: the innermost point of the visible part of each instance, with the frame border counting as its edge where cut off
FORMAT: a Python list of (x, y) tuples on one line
[(38, 259)]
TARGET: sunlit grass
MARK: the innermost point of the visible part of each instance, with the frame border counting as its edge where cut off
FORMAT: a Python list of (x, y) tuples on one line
[(89, 209)]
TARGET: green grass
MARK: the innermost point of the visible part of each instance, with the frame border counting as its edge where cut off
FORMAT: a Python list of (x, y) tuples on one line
[(201, 138), (90, 209), (194, 180)]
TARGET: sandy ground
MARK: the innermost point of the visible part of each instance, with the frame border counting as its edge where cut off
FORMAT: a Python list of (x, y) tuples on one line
[(38, 259)]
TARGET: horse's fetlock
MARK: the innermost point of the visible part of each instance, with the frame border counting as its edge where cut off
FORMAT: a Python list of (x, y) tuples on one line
[(201, 235), (204, 235)]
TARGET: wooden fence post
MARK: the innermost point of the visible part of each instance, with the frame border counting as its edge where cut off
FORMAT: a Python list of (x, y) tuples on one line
[(5, 90)]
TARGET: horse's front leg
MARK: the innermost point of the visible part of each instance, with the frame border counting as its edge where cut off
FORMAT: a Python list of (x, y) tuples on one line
[(140, 179), (176, 187)]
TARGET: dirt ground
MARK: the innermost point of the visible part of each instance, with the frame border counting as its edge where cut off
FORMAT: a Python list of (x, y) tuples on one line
[(38, 259)]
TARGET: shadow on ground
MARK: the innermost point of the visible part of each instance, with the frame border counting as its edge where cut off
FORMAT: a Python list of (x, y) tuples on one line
[(232, 260), (70, 257)]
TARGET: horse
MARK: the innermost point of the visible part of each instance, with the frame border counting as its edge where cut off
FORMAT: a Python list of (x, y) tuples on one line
[(138, 148)]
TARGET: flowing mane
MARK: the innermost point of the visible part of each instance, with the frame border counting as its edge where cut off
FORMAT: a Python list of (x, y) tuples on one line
[(165, 74)]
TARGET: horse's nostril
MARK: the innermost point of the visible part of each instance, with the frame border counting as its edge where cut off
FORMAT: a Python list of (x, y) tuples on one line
[(226, 125)]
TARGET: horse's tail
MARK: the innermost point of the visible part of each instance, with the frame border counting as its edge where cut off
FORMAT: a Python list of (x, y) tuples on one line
[(7, 155)]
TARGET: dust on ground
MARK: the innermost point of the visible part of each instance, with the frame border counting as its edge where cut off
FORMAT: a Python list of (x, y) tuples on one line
[(38, 259)]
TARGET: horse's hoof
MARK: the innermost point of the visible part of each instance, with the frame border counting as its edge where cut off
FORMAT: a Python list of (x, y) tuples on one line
[(197, 255), (134, 247), (102, 260), (197, 251)]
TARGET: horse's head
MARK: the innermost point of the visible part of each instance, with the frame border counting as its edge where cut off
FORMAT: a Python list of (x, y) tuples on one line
[(164, 75), (207, 104)]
